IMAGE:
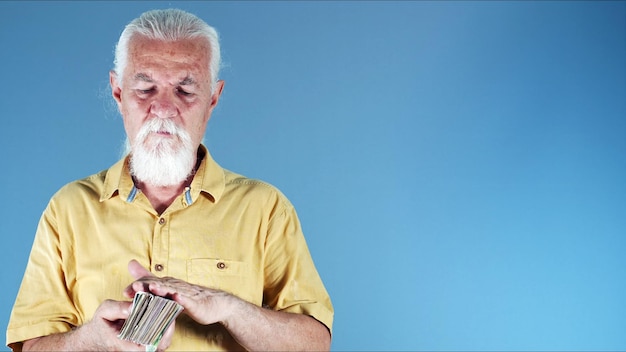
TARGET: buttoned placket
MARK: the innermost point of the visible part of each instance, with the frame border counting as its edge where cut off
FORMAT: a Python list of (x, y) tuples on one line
[(160, 233), (160, 238)]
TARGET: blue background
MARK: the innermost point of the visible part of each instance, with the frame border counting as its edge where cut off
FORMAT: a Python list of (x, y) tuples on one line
[(459, 167)]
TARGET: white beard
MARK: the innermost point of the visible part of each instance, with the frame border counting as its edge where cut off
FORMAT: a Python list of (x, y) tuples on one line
[(162, 161)]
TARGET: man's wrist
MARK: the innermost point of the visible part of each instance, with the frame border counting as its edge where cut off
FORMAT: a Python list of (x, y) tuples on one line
[(233, 308)]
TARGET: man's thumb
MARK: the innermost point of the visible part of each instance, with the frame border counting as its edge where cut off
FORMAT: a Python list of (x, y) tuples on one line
[(137, 271)]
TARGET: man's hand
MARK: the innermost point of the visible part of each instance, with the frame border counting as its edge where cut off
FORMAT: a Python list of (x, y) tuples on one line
[(99, 334), (204, 305), (253, 327)]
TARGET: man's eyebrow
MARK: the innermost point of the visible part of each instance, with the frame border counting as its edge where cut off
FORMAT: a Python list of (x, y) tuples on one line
[(143, 77), (188, 81)]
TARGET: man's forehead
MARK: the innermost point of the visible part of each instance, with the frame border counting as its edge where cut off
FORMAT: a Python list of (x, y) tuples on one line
[(185, 61), (140, 45)]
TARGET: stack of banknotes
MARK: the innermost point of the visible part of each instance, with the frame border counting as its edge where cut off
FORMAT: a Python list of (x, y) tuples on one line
[(149, 317)]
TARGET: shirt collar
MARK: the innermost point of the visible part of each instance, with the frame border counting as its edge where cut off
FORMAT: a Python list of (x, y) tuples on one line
[(209, 179)]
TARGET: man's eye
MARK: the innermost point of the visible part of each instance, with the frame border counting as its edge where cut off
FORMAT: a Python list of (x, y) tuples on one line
[(184, 92), (145, 91)]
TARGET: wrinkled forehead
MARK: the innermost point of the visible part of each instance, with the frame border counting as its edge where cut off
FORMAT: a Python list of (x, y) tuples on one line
[(182, 58)]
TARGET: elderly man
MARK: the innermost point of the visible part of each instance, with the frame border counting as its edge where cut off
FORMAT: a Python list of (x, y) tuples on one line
[(169, 220)]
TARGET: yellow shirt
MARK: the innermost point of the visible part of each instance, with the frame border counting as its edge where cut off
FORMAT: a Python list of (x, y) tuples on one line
[(225, 231)]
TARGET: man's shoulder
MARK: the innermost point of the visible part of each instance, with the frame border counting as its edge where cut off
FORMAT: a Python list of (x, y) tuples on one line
[(257, 188), (234, 179), (89, 186)]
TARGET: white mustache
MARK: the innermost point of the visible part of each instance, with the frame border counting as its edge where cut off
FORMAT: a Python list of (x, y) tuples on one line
[(159, 125)]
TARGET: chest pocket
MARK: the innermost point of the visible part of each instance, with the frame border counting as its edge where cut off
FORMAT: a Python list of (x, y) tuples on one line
[(222, 274)]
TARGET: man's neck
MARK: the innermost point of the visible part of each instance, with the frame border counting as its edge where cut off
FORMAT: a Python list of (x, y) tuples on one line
[(162, 196)]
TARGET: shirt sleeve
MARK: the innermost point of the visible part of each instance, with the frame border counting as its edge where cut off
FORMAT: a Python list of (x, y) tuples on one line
[(292, 283), (42, 306)]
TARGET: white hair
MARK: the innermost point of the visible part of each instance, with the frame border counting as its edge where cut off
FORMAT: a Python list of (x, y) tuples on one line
[(168, 25)]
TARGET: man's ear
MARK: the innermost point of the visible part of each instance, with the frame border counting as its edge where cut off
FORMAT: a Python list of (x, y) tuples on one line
[(116, 90), (215, 97)]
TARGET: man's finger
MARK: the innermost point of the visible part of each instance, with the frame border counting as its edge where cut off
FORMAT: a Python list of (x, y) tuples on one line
[(113, 310), (137, 271)]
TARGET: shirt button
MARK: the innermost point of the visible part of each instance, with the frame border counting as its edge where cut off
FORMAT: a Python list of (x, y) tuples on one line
[(221, 265), (158, 267), (161, 221)]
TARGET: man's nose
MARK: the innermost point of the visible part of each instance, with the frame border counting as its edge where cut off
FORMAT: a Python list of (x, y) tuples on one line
[(163, 106)]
